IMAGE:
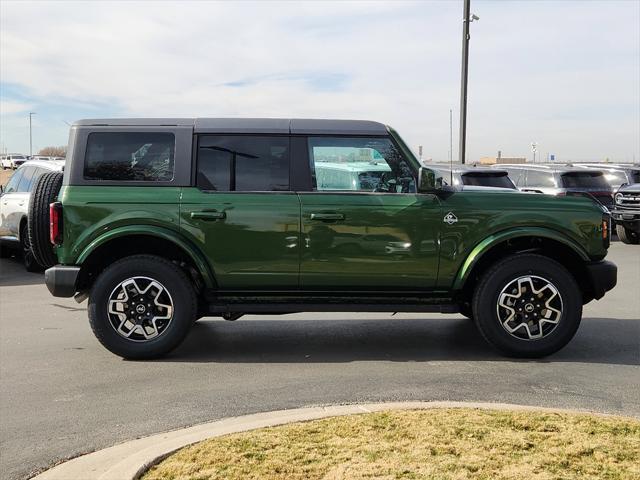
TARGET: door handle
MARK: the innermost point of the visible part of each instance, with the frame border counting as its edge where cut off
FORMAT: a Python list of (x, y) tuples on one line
[(327, 216), (208, 215)]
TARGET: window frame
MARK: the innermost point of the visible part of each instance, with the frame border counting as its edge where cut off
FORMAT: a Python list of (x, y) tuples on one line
[(78, 137), (195, 160), (310, 187)]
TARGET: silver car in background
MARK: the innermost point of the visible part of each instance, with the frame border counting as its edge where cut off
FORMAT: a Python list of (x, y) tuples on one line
[(616, 174), (14, 205), (473, 178), (560, 181)]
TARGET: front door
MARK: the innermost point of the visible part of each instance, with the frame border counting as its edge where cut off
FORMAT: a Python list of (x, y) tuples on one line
[(242, 214), (363, 225)]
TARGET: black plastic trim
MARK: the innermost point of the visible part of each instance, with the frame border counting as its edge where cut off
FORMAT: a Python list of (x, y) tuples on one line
[(61, 280), (603, 276)]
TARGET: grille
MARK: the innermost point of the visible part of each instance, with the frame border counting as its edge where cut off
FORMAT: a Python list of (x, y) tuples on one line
[(628, 201)]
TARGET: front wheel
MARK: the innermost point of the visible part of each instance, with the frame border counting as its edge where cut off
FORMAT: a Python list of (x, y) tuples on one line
[(142, 307), (627, 235), (527, 306)]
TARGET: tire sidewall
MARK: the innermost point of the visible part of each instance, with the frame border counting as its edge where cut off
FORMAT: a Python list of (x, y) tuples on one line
[(183, 307), (486, 300)]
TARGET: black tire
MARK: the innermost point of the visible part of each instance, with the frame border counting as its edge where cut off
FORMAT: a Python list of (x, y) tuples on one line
[(176, 283), (627, 236), (28, 259), (486, 310), (45, 192)]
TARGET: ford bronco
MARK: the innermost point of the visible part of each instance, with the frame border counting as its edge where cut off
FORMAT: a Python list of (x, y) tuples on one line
[(159, 222)]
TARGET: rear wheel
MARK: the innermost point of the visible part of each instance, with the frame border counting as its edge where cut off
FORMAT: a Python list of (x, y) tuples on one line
[(527, 306), (627, 235), (45, 192), (142, 307)]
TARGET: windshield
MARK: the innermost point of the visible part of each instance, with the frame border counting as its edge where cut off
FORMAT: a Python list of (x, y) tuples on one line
[(500, 180), (584, 180)]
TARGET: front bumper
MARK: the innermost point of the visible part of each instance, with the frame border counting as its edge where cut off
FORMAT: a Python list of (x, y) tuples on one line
[(61, 280), (603, 277), (628, 218)]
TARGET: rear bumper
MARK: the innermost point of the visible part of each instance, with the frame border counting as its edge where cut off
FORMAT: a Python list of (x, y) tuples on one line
[(603, 277), (61, 280)]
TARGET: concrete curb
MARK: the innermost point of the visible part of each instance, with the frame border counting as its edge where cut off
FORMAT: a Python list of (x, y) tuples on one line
[(129, 460)]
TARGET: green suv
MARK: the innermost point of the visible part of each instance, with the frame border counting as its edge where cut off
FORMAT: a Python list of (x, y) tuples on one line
[(159, 222)]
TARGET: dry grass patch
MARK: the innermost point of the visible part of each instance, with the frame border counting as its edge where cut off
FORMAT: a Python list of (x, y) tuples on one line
[(419, 444)]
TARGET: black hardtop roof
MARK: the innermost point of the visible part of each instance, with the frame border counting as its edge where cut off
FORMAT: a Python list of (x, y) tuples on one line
[(250, 125)]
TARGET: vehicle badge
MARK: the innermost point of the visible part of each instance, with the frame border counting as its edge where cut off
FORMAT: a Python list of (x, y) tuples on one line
[(450, 218)]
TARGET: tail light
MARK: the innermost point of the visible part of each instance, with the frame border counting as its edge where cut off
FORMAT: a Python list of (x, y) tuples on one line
[(55, 223), (606, 234)]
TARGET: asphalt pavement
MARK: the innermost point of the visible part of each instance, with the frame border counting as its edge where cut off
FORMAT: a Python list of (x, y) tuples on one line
[(62, 394)]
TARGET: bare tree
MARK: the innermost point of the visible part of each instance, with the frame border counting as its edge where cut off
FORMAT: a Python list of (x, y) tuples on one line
[(53, 151)]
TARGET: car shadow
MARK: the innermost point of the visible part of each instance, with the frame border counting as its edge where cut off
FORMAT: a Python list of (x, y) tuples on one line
[(13, 273), (599, 340)]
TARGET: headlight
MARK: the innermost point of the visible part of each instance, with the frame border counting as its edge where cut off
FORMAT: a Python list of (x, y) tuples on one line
[(618, 198)]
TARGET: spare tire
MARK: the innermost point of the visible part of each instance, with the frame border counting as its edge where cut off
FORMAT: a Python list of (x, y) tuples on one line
[(45, 192)]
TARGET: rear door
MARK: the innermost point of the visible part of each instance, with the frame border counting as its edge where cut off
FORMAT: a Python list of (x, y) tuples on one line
[(16, 204), (241, 211), (376, 233)]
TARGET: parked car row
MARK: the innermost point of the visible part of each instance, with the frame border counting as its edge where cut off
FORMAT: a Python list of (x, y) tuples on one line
[(14, 160), (14, 205)]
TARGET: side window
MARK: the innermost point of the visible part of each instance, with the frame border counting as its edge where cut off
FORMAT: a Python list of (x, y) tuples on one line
[(360, 164), (36, 174), (516, 175), (540, 179), (14, 181), (132, 156), (243, 163), (25, 181)]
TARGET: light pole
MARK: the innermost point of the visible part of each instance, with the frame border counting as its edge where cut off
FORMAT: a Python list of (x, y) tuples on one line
[(465, 74), (30, 135)]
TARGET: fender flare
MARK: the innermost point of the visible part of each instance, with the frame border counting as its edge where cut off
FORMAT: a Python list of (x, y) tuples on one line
[(492, 240), (172, 236)]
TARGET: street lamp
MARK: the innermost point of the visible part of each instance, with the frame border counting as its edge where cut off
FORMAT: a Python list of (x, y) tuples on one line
[(30, 135), (463, 87)]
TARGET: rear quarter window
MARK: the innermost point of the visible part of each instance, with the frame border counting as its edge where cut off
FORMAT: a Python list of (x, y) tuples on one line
[(500, 180), (585, 180), (130, 156)]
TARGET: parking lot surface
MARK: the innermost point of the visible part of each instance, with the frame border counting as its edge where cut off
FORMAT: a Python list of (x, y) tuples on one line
[(62, 394)]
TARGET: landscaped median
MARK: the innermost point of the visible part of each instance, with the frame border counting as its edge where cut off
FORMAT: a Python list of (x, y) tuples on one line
[(442, 443)]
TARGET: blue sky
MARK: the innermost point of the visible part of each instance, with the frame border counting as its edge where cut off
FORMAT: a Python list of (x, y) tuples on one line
[(563, 74)]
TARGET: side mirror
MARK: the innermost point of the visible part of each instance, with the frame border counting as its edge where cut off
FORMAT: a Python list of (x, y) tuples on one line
[(428, 180)]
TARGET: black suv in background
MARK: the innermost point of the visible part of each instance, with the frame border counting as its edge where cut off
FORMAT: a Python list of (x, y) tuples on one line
[(626, 213)]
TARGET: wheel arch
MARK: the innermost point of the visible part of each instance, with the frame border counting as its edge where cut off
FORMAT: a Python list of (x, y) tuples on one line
[(539, 240), (126, 241)]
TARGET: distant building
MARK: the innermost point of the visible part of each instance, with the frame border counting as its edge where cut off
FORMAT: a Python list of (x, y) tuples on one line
[(501, 159)]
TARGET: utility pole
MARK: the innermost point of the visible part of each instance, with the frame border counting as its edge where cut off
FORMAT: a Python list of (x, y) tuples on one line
[(464, 77), (450, 135), (30, 134)]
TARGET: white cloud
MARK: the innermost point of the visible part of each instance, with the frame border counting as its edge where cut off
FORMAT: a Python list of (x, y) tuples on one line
[(563, 75)]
